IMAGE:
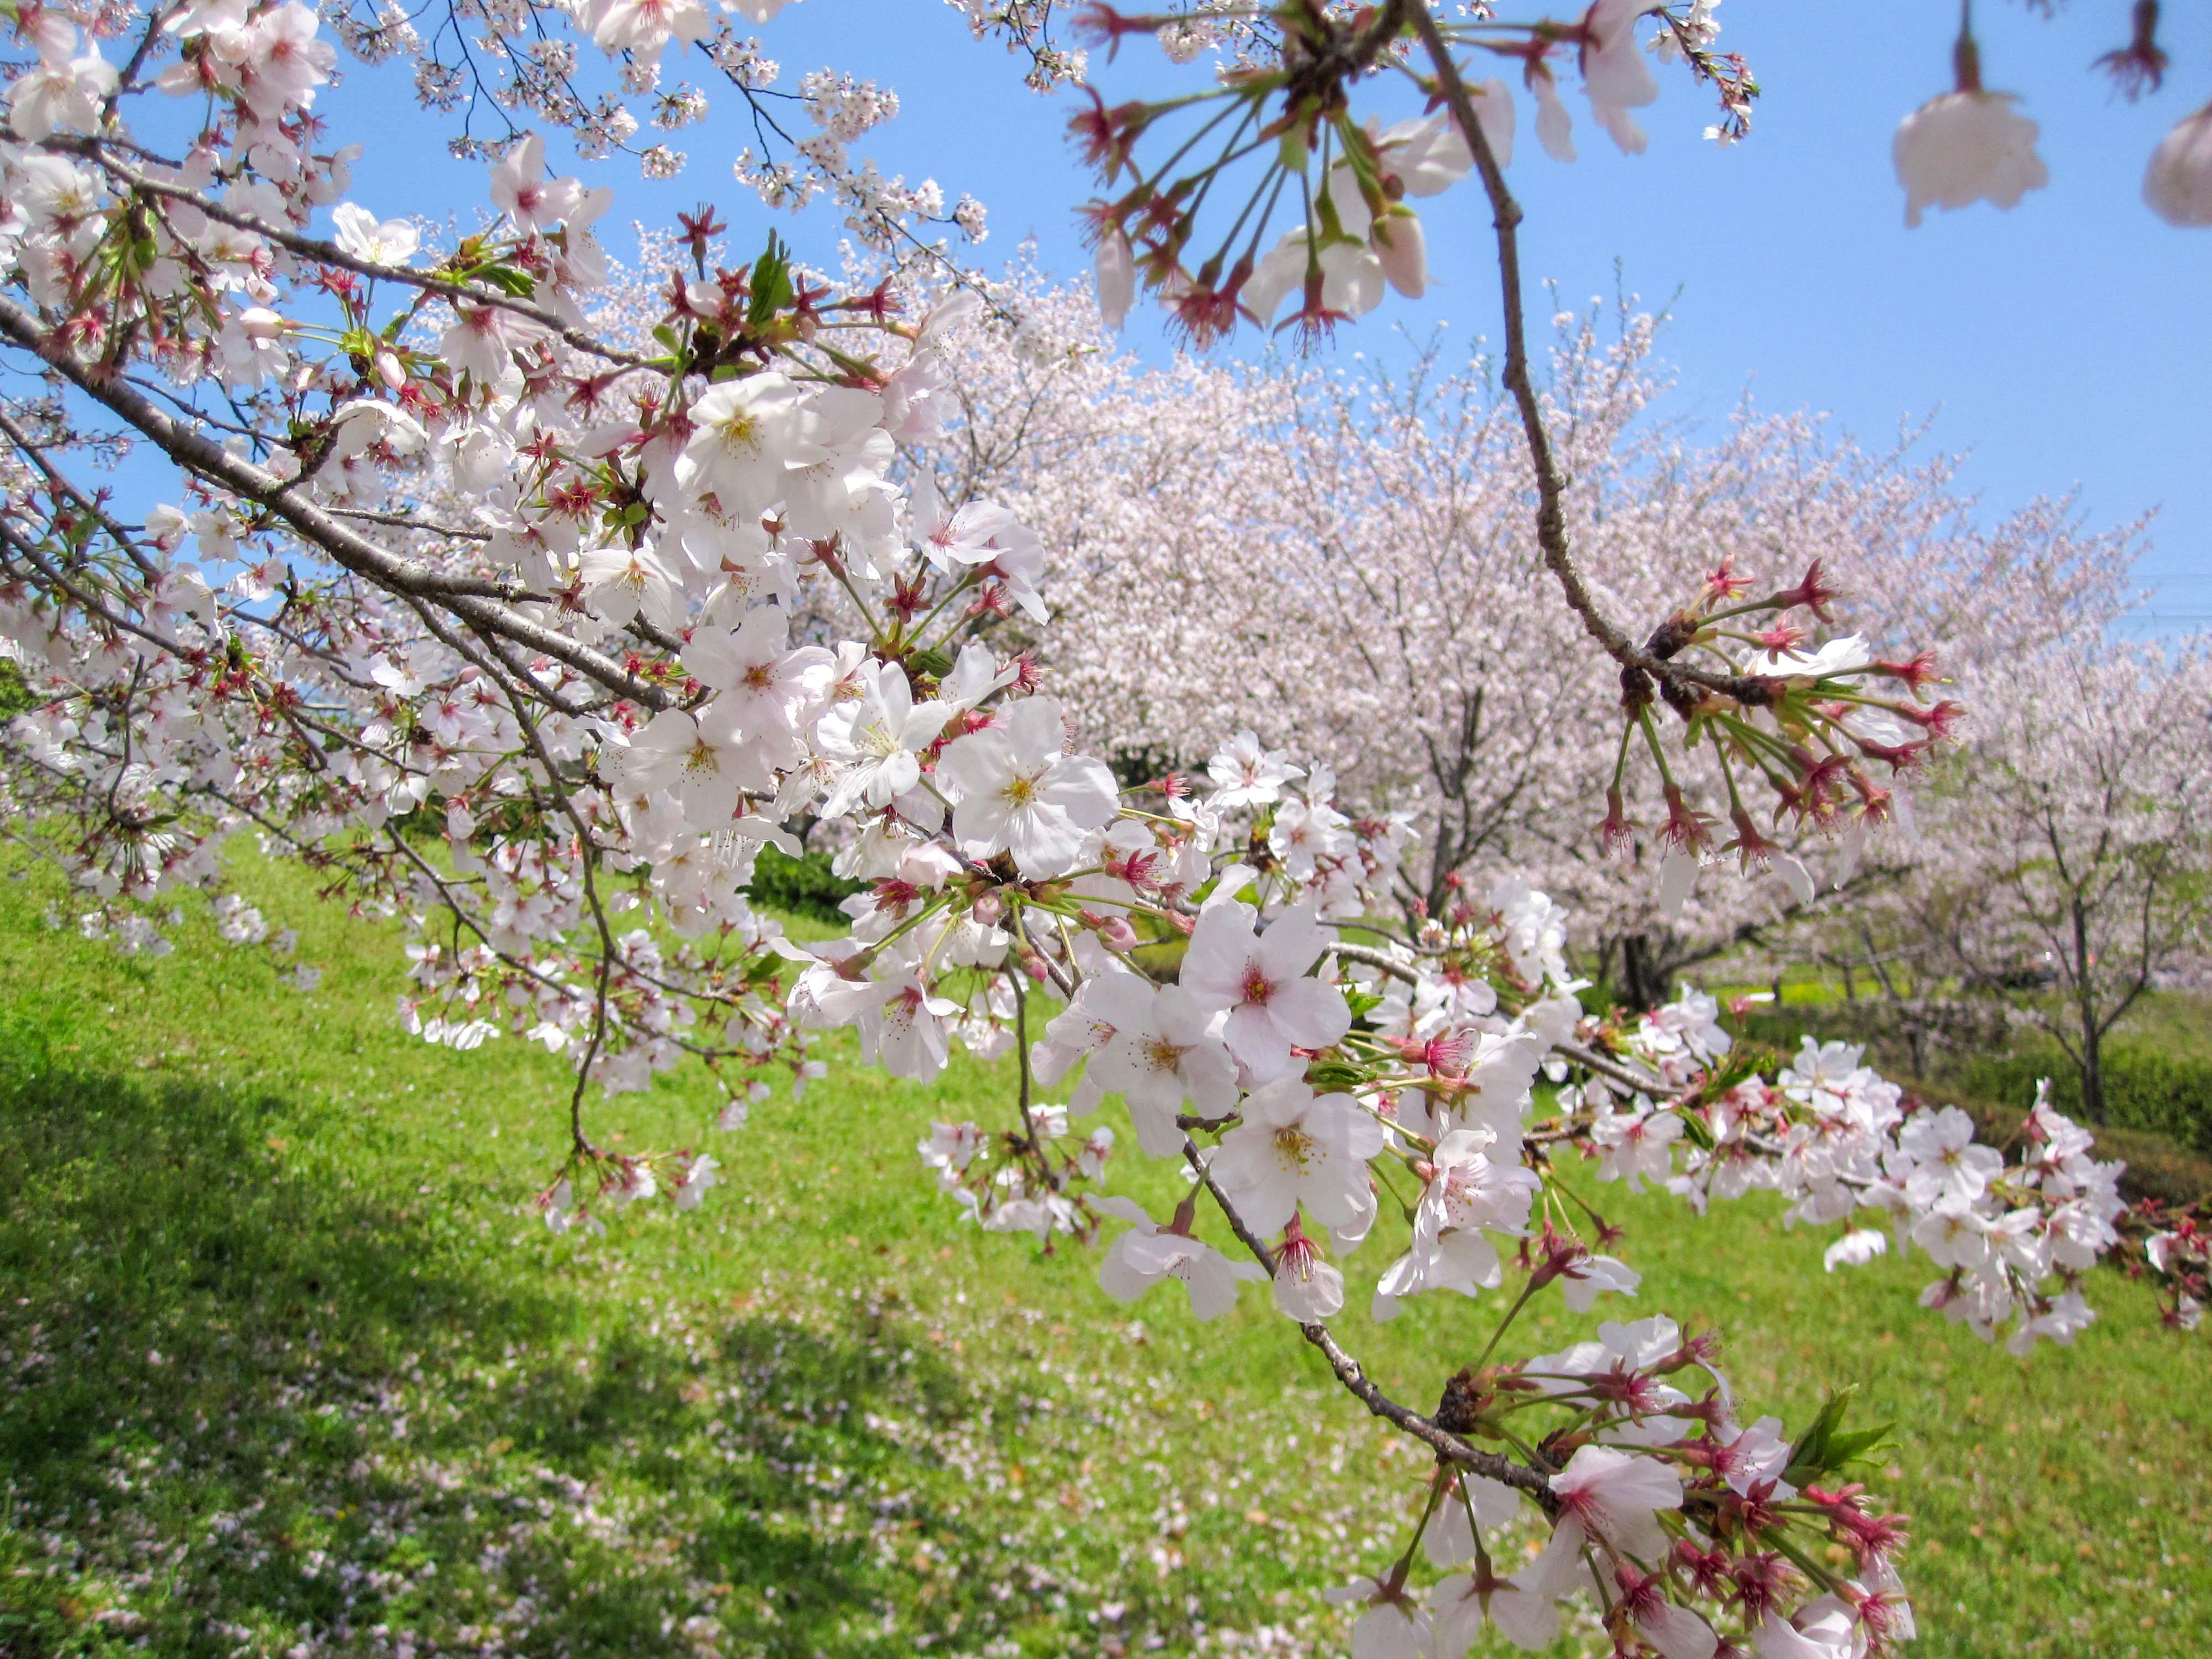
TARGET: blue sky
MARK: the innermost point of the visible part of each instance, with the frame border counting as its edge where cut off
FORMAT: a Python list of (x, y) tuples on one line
[(2067, 344)]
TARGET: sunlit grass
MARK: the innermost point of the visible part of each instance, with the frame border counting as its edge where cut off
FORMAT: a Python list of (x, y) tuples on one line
[(286, 1365)]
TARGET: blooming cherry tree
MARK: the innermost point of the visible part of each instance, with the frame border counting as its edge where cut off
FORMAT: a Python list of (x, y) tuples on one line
[(528, 613)]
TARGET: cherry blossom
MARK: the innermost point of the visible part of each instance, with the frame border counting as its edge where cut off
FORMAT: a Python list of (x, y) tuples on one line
[(1160, 1055), (1248, 775), (1637, 1145), (1467, 1196), (1614, 73), (763, 682), (1259, 979), (1964, 147), (1116, 277), (1014, 791), (1306, 1289), (1611, 1494), (1393, 1625), (63, 93), (706, 768), (746, 434), (2177, 182), (1296, 1148), (391, 242), (877, 737), (1147, 1253), (1524, 1607)]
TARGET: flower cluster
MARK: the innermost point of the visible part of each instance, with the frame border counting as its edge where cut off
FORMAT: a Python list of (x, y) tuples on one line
[(1346, 181), (1838, 1142), (1679, 1528), (491, 623), (1195, 939)]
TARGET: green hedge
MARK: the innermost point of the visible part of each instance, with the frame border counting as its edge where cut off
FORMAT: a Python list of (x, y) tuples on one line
[(2144, 1088), (804, 885)]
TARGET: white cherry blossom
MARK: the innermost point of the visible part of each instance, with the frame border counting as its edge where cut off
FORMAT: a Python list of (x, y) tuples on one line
[(390, 242), (1617, 1496), (1964, 148), (1147, 1253), (1014, 791), (2177, 182), (1159, 1056), (877, 739), (1298, 1148)]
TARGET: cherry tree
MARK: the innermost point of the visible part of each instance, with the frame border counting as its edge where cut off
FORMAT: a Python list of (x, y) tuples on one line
[(1262, 532), (2077, 829), (489, 619)]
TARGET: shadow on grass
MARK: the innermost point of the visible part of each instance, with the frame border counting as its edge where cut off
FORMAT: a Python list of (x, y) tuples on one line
[(255, 1397)]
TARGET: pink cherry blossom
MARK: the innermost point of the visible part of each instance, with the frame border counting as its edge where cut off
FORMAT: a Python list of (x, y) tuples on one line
[(1259, 979), (1617, 1496)]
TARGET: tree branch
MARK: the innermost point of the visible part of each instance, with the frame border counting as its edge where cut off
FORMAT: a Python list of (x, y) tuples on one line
[(476, 599)]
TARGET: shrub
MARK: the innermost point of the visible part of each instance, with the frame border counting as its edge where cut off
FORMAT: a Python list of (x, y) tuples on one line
[(2145, 1088), (804, 885)]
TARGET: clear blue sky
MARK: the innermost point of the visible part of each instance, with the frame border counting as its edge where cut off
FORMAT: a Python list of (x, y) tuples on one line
[(2067, 343)]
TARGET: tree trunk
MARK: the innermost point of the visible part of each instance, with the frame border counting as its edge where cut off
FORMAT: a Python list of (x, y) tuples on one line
[(2093, 1072), (2092, 1038), (1638, 971)]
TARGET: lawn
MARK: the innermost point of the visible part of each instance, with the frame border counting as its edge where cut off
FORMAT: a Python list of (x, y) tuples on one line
[(288, 1367)]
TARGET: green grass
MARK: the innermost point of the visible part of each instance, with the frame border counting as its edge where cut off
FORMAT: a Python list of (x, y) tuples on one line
[(286, 1365), (2180, 1022)]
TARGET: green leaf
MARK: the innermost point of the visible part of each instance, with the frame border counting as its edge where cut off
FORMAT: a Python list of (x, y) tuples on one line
[(772, 286), (1811, 1450), (505, 280), (1824, 1449), (1860, 1446), (1335, 1075), (932, 662)]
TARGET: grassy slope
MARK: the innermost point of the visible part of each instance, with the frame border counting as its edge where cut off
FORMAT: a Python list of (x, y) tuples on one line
[(2180, 1021), (282, 1362)]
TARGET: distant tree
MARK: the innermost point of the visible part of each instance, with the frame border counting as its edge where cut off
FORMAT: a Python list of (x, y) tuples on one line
[(2071, 859)]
